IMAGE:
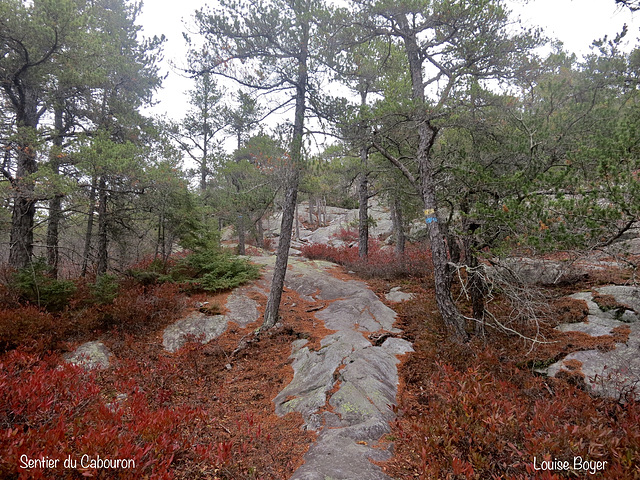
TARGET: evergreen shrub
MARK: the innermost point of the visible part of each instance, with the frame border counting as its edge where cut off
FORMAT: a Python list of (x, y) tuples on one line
[(37, 286)]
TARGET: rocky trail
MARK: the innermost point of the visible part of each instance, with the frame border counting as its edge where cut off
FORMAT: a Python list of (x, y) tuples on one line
[(344, 387), (341, 378)]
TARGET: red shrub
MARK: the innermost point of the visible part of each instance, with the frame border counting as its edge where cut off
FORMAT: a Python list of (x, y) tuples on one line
[(492, 420), (25, 326), (383, 263), (267, 243), (139, 305), (347, 235), (61, 412), (321, 251)]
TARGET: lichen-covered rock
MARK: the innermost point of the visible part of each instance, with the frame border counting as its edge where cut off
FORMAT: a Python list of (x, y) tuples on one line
[(196, 326), (362, 377), (90, 355), (242, 309)]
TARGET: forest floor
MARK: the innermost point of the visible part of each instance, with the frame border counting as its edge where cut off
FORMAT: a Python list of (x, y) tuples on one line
[(470, 411)]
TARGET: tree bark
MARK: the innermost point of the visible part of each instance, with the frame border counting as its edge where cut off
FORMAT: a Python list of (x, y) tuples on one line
[(259, 233), (55, 204), (477, 284), (23, 186), (53, 234), (363, 191), (363, 211), (103, 239), (398, 226), (24, 210), (241, 235), (297, 222), (86, 254), (282, 255)]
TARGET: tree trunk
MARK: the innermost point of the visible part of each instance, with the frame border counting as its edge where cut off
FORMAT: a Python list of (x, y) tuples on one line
[(86, 255), (318, 213), (324, 211), (297, 222), (398, 226), (452, 318), (55, 204), (477, 285), (476, 282), (291, 195), (241, 235), (53, 237), (160, 235), (363, 190), (23, 186), (282, 255), (24, 210), (363, 211), (259, 233), (103, 239)]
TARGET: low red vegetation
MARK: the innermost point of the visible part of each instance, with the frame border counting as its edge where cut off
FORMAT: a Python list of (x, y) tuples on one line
[(347, 235), (381, 262), (569, 310), (205, 412), (143, 412), (135, 308), (478, 412)]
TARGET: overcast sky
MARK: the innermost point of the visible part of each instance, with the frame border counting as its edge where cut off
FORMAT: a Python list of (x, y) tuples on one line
[(575, 22)]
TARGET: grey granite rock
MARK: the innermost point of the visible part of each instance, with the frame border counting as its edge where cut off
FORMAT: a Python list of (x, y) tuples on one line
[(90, 355), (197, 325), (614, 373)]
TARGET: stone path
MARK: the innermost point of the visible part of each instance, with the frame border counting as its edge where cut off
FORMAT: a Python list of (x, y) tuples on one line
[(344, 390)]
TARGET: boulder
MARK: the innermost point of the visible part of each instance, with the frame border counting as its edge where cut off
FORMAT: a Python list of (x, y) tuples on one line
[(197, 326), (90, 355), (242, 309), (396, 295)]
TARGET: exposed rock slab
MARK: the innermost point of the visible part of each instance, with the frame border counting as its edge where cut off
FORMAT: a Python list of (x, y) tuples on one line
[(541, 271), (314, 373), (629, 296), (198, 326), (242, 309), (612, 373), (362, 377), (534, 271), (363, 311), (336, 457), (90, 355), (397, 295)]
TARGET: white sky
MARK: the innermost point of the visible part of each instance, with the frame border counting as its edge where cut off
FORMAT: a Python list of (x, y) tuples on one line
[(575, 22)]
